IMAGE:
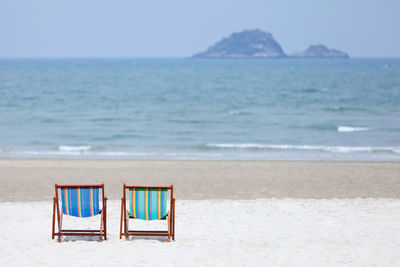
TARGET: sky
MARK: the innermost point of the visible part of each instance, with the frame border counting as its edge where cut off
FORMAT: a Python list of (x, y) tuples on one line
[(181, 28)]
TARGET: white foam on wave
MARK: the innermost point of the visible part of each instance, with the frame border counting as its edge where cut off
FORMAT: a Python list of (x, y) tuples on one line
[(239, 112), (122, 154), (335, 149), (74, 148), (82, 153), (50, 153), (347, 129), (237, 145), (227, 150), (116, 154)]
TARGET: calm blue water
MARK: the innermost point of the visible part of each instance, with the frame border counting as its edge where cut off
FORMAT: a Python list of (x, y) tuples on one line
[(201, 109)]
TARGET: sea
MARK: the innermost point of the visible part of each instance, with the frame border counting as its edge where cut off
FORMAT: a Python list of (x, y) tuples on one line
[(201, 109)]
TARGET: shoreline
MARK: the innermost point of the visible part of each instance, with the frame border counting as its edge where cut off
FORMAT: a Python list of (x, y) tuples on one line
[(27, 180), (191, 160)]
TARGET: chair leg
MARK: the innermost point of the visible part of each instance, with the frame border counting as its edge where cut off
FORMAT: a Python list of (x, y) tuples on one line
[(54, 218), (60, 228), (122, 214), (101, 227), (58, 221), (126, 225), (169, 226), (105, 219), (173, 219)]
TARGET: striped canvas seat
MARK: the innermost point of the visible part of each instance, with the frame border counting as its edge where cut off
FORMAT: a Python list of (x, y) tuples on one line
[(148, 203), (80, 201)]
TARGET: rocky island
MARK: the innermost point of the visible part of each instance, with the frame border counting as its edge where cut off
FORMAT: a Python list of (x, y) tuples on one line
[(245, 44), (320, 51), (260, 44)]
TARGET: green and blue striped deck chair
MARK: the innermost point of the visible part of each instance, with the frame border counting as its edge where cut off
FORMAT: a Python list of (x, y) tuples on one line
[(147, 203), (79, 201)]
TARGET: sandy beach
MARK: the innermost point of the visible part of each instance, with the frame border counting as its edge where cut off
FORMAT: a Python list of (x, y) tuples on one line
[(228, 213), (264, 232), (34, 179)]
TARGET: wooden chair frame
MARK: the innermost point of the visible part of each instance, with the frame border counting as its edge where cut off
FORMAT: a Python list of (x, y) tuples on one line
[(124, 223), (102, 232)]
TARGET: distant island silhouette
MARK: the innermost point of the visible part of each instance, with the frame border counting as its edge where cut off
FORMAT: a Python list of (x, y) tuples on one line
[(260, 44), (320, 51)]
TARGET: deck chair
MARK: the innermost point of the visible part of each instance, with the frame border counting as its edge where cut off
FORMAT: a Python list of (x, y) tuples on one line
[(147, 203), (79, 201)]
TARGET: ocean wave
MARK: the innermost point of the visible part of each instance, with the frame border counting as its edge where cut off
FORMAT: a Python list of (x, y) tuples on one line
[(122, 154), (320, 127), (329, 127), (111, 119), (334, 149), (343, 109), (111, 154), (49, 120), (120, 136), (310, 90), (239, 112), (74, 148), (227, 151), (81, 153), (347, 129)]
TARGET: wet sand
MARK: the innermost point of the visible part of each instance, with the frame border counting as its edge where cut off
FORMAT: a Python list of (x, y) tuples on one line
[(34, 179)]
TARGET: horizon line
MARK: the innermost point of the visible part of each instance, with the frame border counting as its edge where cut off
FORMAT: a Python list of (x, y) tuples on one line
[(189, 57)]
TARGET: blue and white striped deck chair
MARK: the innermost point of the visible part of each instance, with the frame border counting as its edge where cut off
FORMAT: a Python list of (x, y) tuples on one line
[(79, 201)]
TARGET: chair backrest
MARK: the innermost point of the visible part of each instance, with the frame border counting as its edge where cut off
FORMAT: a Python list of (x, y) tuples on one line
[(80, 200), (148, 202)]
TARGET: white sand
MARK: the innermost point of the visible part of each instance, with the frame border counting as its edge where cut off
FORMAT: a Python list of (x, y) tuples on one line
[(286, 232)]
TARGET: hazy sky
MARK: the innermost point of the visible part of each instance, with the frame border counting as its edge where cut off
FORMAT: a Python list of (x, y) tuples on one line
[(180, 28)]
